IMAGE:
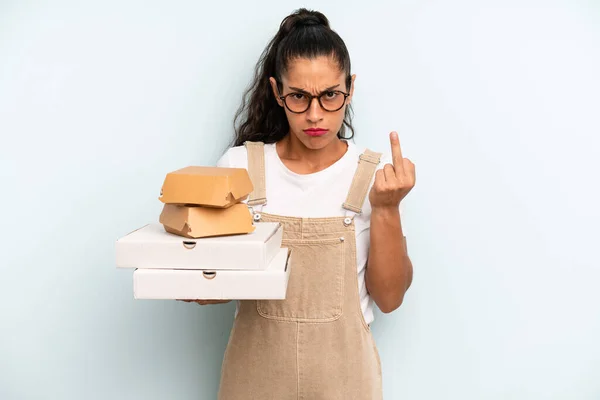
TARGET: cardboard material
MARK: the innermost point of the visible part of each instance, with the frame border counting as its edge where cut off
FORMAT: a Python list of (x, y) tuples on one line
[(152, 247), (165, 284), (198, 222), (206, 186)]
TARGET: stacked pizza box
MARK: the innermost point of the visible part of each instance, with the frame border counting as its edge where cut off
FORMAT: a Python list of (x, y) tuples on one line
[(205, 244)]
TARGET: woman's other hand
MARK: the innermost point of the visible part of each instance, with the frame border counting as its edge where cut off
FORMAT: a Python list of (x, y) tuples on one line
[(206, 302)]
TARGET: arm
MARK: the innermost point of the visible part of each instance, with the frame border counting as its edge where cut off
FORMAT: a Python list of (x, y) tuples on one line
[(389, 269)]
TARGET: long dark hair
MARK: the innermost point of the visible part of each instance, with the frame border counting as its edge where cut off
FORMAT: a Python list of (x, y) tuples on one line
[(302, 34)]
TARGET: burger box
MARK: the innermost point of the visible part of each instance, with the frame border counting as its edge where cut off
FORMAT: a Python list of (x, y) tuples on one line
[(206, 186), (152, 247), (185, 284), (197, 222)]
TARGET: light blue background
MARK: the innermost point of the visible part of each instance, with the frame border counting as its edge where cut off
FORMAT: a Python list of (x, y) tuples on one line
[(496, 102)]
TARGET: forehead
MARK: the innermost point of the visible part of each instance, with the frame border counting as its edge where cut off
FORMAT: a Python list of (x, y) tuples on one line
[(313, 74)]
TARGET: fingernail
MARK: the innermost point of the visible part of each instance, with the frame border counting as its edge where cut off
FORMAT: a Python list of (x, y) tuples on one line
[(394, 135)]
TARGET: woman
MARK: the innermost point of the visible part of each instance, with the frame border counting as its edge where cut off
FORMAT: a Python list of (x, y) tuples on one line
[(340, 208)]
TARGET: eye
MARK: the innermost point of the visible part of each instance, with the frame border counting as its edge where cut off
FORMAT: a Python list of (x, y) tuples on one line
[(330, 95), (297, 96)]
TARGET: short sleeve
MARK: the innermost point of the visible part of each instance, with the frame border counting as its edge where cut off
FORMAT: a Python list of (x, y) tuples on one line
[(234, 157), (224, 161)]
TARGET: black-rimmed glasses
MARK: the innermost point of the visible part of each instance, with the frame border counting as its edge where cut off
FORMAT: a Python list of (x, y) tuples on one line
[(330, 100)]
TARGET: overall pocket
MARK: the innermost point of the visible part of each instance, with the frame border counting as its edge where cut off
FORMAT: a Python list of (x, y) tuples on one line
[(315, 290)]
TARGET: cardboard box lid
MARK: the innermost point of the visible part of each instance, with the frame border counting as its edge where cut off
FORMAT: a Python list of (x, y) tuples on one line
[(206, 186), (197, 222), (151, 247), (268, 284)]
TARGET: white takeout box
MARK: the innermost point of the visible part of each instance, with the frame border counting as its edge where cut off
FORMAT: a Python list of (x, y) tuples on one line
[(181, 284), (152, 247)]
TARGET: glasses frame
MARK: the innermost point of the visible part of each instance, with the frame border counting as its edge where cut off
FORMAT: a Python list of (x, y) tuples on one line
[(310, 99)]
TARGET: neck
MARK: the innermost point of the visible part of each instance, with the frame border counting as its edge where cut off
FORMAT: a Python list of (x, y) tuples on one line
[(306, 160)]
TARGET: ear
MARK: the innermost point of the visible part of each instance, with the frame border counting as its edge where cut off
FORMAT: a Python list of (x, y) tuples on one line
[(351, 89), (275, 91)]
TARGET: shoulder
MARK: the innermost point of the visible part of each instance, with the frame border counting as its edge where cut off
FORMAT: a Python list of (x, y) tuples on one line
[(237, 156), (234, 157), (385, 158)]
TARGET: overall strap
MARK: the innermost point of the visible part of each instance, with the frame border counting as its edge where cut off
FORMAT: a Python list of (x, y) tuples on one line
[(367, 165), (256, 170)]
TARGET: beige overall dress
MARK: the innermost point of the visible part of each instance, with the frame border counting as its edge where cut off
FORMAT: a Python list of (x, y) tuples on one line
[(315, 345)]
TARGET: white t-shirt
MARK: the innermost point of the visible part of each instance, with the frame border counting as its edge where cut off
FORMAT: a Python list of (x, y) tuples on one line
[(320, 194)]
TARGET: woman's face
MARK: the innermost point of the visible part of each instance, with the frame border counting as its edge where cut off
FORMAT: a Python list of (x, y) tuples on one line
[(315, 76)]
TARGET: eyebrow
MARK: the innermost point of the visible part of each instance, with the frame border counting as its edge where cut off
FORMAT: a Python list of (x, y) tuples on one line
[(295, 89)]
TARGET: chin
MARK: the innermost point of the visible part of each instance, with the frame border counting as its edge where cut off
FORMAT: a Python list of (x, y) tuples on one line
[(317, 142)]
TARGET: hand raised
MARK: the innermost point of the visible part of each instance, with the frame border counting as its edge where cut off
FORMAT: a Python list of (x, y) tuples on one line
[(394, 181)]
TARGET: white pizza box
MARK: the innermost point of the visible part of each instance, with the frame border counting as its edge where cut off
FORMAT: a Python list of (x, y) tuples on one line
[(153, 247), (182, 284)]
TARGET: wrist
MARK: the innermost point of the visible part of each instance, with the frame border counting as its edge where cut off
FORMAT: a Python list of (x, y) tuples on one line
[(386, 211)]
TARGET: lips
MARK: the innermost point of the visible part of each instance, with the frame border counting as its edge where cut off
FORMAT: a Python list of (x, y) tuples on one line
[(315, 131)]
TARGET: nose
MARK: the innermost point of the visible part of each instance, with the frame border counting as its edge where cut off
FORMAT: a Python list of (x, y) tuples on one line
[(314, 112)]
